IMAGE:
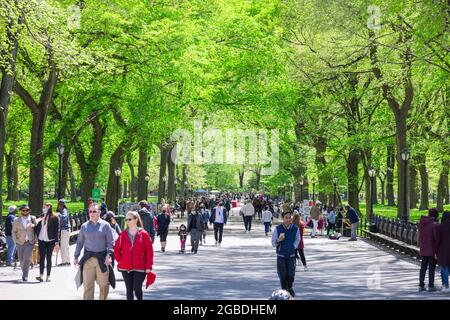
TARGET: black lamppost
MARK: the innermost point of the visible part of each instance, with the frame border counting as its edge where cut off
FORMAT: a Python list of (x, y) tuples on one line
[(118, 173), (334, 192), (301, 190), (147, 179), (405, 157), (372, 173), (60, 151), (314, 189)]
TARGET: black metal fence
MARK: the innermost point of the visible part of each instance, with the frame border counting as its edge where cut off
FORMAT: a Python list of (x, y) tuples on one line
[(393, 228)]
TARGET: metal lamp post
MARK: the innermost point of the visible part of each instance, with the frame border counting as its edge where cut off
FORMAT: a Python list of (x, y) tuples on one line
[(118, 172), (334, 192), (60, 151), (301, 190), (372, 173), (314, 189), (147, 179), (405, 157)]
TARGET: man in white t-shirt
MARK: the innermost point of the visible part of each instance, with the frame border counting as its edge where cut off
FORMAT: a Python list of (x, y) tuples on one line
[(218, 218)]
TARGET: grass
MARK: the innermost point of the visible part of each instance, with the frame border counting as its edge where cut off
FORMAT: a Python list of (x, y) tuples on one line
[(72, 206), (387, 211)]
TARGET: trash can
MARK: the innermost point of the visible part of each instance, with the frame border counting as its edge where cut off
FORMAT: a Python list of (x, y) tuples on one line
[(120, 219)]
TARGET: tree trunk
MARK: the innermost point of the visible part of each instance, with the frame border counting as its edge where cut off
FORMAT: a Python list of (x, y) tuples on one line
[(241, 177), (367, 191), (64, 172), (402, 172), (183, 182), (424, 186), (125, 188), (375, 191), (73, 187), (324, 179), (442, 185), (12, 177), (171, 181), (390, 175), (258, 177), (382, 190), (413, 196), (116, 162), (142, 172), (162, 173), (6, 89), (352, 174), (133, 181)]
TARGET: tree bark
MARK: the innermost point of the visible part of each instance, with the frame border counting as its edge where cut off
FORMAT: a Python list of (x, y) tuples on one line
[(375, 191), (73, 186), (413, 196), (142, 172), (133, 181), (12, 177), (382, 181), (89, 167), (183, 182), (390, 175), (116, 162), (162, 172), (258, 177), (352, 182), (241, 177), (6, 88), (171, 181), (442, 185), (424, 185), (320, 145)]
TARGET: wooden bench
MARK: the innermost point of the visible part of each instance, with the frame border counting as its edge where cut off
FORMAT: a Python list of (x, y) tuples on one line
[(393, 243)]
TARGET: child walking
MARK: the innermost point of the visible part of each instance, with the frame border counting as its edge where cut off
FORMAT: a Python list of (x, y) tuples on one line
[(183, 236)]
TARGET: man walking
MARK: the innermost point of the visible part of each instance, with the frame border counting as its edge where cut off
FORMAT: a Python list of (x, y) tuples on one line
[(286, 238), (195, 228), (353, 217), (248, 211), (9, 238), (147, 219), (24, 237), (97, 239), (64, 226), (218, 218), (314, 215)]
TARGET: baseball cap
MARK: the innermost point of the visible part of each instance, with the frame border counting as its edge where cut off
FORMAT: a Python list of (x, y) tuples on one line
[(12, 208)]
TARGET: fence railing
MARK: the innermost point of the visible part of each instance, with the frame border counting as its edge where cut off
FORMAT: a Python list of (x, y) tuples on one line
[(393, 228)]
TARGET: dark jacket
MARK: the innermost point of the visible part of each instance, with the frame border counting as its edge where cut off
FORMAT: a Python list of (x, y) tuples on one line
[(213, 216), (52, 228), (163, 223), (9, 223), (352, 215), (427, 236), (195, 221), (147, 221), (443, 244)]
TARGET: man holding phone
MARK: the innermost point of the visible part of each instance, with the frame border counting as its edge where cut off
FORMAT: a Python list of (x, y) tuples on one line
[(285, 239)]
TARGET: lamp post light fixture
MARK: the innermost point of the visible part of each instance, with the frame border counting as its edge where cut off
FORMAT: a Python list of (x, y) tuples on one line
[(405, 158), (117, 172), (372, 173), (334, 192), (60, 151), (314, 190)]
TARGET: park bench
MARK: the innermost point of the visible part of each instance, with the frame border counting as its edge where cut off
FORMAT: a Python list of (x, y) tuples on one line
[(395, 234)]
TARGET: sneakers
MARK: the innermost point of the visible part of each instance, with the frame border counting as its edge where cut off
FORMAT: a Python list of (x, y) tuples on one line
[(305, 268), (352, 239), (48, 279), (192, 250), (39, 279), (432, 289), (292, 292), (445, 289), (163, 250), (422, 289), (195, 251), (216, 243), (200, 243), (220, 243), (266, 234)]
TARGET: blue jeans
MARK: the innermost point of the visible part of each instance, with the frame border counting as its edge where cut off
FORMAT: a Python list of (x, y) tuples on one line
[(267, 226), (11, 249), (444, 275), (286, 271)]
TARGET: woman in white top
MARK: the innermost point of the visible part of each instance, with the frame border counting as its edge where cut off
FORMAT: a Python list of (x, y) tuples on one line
[(47, 231)]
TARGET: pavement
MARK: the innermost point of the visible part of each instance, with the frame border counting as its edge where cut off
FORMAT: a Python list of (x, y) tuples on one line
[(244, 267)]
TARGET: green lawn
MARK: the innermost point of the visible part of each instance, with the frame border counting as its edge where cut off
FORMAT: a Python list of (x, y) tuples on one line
[(72, 206), (391, 212)]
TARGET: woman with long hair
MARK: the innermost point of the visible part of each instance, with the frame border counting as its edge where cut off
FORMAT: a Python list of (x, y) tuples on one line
[(297, 220), (47, 231), (133, 251)]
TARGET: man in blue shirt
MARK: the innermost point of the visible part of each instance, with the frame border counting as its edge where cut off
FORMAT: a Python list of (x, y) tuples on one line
[(286, 238), (8, 232), (353, 217)]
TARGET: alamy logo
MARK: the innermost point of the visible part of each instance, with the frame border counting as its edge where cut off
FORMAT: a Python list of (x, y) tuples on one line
[(229, 146)]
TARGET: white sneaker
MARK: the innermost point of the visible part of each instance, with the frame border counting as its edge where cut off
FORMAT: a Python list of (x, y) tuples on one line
[(305, 268), (216, 243), (445, 289), (220, 244)]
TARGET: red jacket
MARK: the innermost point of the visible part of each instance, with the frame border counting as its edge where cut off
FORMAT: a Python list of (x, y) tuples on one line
[(137, 257)]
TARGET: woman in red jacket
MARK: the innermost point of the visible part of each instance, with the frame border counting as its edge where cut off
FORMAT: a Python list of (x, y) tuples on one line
[(133, 251)]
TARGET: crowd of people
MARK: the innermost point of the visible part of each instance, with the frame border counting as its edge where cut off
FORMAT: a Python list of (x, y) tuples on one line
[(132, 248)]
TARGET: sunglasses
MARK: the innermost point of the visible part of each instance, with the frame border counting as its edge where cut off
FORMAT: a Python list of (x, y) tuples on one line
[(90, 211), (128, 219), (25, 210)]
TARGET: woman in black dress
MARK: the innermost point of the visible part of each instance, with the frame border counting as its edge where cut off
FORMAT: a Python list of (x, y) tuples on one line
[(163, 227)]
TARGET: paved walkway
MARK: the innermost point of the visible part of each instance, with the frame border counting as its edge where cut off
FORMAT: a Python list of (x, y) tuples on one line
[(244, 267)]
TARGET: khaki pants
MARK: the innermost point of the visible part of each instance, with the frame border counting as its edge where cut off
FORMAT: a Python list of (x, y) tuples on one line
[(92, 273), (65, 255)]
